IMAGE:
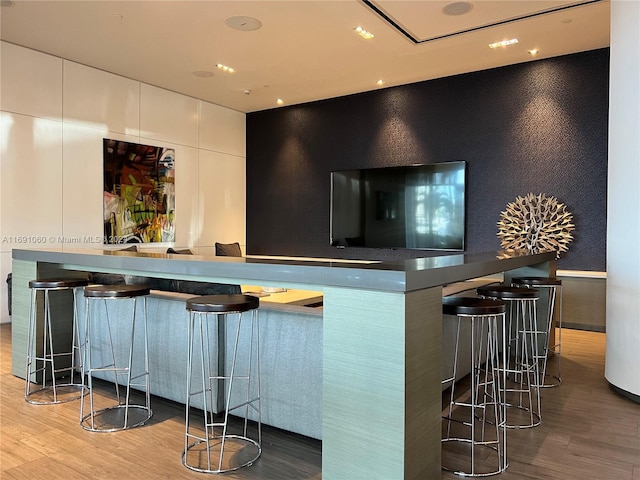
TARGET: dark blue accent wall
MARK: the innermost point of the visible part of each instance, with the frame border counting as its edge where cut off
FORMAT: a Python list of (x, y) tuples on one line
[(538, 127)]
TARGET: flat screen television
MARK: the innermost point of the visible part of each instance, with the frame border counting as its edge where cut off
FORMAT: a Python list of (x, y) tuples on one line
[(413, 207)]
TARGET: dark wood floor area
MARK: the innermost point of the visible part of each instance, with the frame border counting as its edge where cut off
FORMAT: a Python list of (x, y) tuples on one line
[(588, 432)]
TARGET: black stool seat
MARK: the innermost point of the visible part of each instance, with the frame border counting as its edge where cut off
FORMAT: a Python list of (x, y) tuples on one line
[(116, 291), (471, 306), (537, 281), (58, 283), (505, 292), (222, 303)]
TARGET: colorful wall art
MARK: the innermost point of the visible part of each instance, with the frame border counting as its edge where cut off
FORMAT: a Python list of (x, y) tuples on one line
[(139, 193)]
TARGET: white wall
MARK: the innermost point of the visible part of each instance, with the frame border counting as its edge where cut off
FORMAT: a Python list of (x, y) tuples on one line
[(54, 114), (622, 367)]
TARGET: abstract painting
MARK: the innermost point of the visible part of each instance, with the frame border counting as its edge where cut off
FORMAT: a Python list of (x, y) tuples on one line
[(139, 193)]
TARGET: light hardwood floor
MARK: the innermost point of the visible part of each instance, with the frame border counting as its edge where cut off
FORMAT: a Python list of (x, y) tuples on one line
[(588, 432)]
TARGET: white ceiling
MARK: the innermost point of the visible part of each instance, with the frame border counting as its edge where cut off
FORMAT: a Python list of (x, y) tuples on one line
[(305, 49)]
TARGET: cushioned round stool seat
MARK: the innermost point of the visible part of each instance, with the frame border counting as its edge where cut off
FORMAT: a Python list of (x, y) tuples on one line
[(553, 347), (53, 283), (474, 438), (54, 369), (222, 380), (506, 292), (537, 281), (125, 413), (471, 306), (223, 303), (116, 291)]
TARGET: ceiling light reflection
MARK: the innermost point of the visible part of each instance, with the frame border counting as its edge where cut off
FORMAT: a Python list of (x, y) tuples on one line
[(503, 43), (225, 68), (363, 33)]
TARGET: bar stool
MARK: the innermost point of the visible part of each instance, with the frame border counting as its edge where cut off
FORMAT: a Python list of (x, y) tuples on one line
[(53, 369), (521, 366), (215, 449), (553, 287), (124, 414), (487, 319)]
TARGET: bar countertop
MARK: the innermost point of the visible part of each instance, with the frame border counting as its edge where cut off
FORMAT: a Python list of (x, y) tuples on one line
[(393, 276)]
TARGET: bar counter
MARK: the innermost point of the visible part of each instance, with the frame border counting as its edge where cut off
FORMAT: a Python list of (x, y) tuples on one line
[(382, 327)]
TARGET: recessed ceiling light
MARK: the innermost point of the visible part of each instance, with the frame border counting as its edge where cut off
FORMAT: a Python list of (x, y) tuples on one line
[(242, 23), (225, 68), (503, 43), (380, 82), (457, 8), (363, 33), (533, 51), (203, 73), (279, 101)]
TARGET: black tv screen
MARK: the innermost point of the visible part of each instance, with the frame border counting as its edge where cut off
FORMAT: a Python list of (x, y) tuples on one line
[(417, 206)]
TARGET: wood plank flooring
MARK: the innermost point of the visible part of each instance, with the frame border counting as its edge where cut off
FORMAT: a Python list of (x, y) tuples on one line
[(588, 432)]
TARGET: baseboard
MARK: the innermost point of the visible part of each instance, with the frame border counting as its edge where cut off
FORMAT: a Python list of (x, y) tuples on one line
[(584, 300), (631, 396), (585, 327)]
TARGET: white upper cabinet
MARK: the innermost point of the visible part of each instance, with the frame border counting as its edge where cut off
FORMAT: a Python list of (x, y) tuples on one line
[(222, 129), (168, 116), (222, 198), (31, 165), (30, 82), (100, 99), (55, 115)]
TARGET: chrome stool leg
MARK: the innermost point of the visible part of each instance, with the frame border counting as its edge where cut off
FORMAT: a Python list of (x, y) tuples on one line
[(552, 288), (529, 364), (53, 371), (123, 414), (522, 391), (484, 426), (212, 447)]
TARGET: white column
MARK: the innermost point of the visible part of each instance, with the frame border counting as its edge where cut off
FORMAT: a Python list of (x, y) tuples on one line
[(622, 368)]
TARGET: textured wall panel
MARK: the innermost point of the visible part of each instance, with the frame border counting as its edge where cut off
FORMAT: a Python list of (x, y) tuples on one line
[(537, 127)]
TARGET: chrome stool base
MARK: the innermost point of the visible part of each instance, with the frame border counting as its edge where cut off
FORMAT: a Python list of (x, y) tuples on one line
[(116, 418), (61, 394), (557, 381), (493, 455), (519, 417), (241, 452)]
